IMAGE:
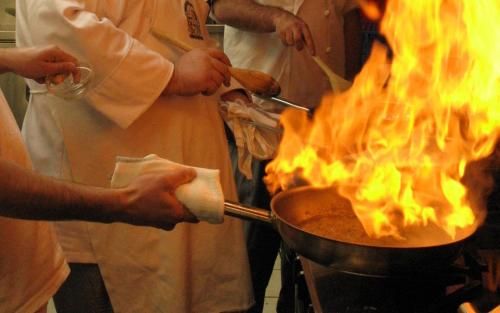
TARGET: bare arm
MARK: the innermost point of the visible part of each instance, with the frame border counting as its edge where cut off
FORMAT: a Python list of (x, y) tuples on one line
[(247, 15), (148, 201), (36, 62), (252, 16), (353, 43)]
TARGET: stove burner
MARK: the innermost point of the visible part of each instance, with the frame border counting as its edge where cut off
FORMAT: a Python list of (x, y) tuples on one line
[(333, 291), (360, 293)]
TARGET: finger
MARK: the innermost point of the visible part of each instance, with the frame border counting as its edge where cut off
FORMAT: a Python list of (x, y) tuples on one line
[(283, 39), (211, 89), (219, 55), (190, 217), (77, 75), (289, 38), (57, 78), (59, 68), (175, 210), (223, 71), (181, 176), (54, 53), (308, 39), (299, 45), (217, 78), (297, 36)]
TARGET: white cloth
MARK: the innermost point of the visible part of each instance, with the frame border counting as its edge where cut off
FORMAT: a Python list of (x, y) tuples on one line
[(302, 81), (194, 268), (32, 266), (256, 132), (202, 196)]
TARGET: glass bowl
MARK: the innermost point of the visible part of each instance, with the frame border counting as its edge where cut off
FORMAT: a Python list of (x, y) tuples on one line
[(65, 86)]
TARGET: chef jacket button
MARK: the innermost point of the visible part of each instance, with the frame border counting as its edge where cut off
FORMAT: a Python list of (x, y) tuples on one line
[(326, 12), (328, 49)]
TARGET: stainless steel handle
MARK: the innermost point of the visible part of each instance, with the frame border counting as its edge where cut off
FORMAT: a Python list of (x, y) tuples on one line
[(248, 213), (285, 103)]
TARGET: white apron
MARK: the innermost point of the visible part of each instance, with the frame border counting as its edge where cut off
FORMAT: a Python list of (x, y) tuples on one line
[(195, 268)]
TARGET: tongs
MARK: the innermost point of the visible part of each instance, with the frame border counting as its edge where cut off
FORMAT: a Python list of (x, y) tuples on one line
[(337, 84)]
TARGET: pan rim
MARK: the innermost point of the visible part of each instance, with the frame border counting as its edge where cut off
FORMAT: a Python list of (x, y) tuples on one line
[(302, 189)]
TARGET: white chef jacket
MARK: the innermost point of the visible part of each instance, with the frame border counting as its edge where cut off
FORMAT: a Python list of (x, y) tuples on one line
[(300, 78), (32, 265), (194, 268)]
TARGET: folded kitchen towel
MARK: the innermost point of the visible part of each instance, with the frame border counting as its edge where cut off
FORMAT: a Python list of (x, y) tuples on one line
[(257, 133), (203, 196)]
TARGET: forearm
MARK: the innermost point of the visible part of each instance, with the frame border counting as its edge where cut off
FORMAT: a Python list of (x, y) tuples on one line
[(247, 15), (26, 195), (353, 43), (5, 57)]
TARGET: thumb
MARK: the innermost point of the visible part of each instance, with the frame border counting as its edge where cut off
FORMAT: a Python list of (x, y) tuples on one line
[(182, 176)]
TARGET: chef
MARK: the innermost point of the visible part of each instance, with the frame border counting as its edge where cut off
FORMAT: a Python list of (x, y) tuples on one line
[(146, 97), (257, 36), (32, 264)]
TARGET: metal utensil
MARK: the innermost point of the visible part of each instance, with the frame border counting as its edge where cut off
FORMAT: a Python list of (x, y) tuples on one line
[(284, 102)]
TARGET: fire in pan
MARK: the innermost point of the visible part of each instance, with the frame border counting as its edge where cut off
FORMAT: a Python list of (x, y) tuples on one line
[(333, 236)]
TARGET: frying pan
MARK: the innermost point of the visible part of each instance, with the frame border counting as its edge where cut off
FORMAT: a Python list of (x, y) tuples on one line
[(292, 211)]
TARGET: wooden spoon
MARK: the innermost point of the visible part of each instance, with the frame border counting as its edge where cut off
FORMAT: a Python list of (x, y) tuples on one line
[(337, 83), (255, 81)]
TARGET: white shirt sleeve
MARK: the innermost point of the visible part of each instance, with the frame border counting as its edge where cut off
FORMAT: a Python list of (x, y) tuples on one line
[(129, 77)]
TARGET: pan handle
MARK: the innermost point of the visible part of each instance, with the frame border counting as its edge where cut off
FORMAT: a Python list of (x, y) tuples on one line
[(247, 213)]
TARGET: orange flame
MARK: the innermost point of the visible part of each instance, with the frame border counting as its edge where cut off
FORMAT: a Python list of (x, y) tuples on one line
[(397, 143)]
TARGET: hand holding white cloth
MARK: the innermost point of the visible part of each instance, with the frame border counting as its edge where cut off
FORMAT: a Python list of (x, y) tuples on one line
[(256, 132), (203, 196)]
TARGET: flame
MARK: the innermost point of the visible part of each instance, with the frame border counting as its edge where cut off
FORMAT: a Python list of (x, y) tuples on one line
[(397, 143)]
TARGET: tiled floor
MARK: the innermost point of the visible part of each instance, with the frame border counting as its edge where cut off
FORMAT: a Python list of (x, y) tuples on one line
[(51, 308), (273, 290)]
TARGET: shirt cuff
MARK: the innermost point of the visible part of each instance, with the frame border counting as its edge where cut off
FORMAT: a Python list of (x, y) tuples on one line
[(133, 86)]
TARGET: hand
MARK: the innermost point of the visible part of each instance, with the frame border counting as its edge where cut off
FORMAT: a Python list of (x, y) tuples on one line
[(150, 199), (38, 62), (199, 71), (293, 31)]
